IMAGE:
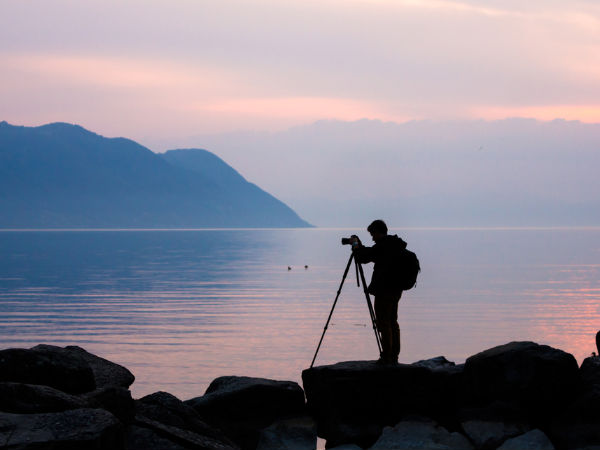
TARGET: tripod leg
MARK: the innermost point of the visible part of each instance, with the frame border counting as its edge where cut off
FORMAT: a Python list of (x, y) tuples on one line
[(332, 308), (370, 305)]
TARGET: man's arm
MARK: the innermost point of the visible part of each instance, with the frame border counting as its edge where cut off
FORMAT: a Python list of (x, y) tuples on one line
[(363, 254)]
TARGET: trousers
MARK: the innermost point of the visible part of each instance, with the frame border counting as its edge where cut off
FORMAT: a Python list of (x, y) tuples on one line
[(386, 316)]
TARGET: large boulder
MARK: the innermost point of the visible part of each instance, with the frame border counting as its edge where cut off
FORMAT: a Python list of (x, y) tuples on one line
[(353, 401), (289, 434), (187, 439), (579, 425), (167, 409), (23, 398), (93, 429), (420, 435), (106, 373), (532, 440), (242, 406), (575, 436), (540, 378), (142, 438), (488, 435), (116, 400), (590, 371), (48, 366)]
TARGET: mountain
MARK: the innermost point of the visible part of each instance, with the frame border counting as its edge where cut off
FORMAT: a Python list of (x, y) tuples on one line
[(62, 175)]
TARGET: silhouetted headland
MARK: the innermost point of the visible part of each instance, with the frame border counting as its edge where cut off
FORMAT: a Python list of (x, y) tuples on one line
[(519, 395), (64, 176)]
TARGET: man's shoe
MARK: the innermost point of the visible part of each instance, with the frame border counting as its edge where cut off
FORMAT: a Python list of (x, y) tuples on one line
[(387, 361)]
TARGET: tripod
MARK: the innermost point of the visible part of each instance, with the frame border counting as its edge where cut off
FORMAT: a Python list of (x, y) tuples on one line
[(361, 274)]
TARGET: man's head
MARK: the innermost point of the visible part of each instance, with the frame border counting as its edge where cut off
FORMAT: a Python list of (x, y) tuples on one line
[(378, 229)]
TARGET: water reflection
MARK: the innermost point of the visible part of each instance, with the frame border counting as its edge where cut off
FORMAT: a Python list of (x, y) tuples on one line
[(180, 308)]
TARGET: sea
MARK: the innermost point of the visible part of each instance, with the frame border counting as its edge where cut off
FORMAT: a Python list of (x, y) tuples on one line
[(182, 307)]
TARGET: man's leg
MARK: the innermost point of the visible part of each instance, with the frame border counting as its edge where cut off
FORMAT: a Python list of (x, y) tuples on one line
[(384, 324), (395, 327)]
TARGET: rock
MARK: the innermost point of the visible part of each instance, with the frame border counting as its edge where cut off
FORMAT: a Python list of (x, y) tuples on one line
[(487, 435), (106, 373), (141, 438), (533, 440), (85, 428), (590, 371), (541, 378), (47, 367), (187, 439), (116, 400), (22, 398), (169, 410), (419, 436), (347, 447), (437, 363), (353, 401), (291, 434), (585, 407), (242, 406), (575, 435), (578, 426)]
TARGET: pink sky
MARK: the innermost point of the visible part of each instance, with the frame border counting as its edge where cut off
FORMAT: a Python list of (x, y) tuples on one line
[(157, 69)]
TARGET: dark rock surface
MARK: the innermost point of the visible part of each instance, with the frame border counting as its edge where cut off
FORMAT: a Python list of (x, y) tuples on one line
[(590, 371), (346, 447), (488, 435), (540, 378), (290, 434), (578, 426), (242, 406), (492, 402), (106, 373), (167, 409), (116, 400), (532, 440), (22, 398), (93, 429), (142, 438), (187, 439), (353, 401), (420, 435), (48, 366), (572, 436), (437, 363)]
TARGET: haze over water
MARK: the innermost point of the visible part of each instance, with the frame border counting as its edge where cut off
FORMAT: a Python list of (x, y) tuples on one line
[(181, 307)]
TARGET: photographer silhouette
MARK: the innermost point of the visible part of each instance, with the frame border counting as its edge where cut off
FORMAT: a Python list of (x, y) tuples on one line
[(385, 285)]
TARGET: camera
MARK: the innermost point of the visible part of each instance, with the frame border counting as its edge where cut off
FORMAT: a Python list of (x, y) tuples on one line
[(351, 240)]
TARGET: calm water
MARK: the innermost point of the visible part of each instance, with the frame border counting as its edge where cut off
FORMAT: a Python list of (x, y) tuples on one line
[(180, 308)]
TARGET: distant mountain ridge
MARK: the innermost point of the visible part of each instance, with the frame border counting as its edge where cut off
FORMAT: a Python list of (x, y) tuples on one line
[(63, 176)]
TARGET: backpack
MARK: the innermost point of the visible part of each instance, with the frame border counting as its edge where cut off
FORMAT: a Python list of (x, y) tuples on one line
[(409, 268)]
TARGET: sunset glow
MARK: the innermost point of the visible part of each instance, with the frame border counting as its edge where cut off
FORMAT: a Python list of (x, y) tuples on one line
[(270, 66)]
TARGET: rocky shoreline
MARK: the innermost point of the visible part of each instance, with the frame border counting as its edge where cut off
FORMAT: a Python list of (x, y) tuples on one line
[(520, 395)]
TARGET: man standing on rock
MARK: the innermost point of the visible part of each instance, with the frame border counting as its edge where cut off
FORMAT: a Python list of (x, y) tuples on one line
[(384, 285)]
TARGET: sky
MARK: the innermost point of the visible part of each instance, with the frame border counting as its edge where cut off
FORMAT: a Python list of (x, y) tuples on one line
[(153, 70), (306, 97)]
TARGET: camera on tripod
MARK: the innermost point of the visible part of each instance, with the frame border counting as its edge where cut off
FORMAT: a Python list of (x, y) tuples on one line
[(360, 276), (351, 240)]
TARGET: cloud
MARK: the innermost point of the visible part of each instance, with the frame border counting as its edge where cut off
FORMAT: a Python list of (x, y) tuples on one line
[(264, 64)]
